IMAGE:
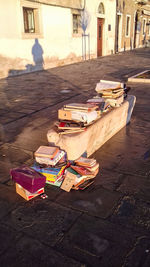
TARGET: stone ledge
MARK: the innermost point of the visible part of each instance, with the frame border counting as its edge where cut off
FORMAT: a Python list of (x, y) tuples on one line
[(96, 134)]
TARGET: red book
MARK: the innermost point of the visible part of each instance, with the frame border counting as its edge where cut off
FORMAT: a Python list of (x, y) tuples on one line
[(81, 170)]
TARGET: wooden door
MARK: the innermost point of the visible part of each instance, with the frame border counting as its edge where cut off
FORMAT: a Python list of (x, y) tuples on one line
[(99, 36)]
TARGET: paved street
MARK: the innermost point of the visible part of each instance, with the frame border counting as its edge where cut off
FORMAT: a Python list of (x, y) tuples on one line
[(106, 225)]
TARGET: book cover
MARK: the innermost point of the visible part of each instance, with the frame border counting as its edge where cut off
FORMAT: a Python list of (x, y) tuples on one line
[(85, 161), (106, 85), (48, 161), (84, 117), (65, 125), (82, 106), (81, 170), (46, 151), (95, 100), (72, 131), (68, 182), (113, 95), (26, 194)]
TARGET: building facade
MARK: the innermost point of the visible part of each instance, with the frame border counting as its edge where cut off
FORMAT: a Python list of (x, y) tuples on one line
[(47, 33), (42, 34), (132, 24)]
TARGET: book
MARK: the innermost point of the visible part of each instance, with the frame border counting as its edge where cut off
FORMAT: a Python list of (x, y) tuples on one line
[(115, 102), (85, 184), (93, 168), (56, 183), (65, 125), (113, 95), (72, 131), (84, 117), (51, 174), (48, 161), (46, 151), (64, 115), (78, 116), (80, 106), (81, 170), (85, 161), (95, 100), (68, 181), (105, 85), (26, 194)]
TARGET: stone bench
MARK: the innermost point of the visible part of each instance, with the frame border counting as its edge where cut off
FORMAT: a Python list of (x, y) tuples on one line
[(96, 134)]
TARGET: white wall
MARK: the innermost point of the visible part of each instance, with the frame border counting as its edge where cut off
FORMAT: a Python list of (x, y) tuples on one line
[(56, 37)]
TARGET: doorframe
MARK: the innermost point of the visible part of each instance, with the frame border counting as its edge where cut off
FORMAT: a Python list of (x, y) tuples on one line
[(119, 14), (101, 16), (135, 30)]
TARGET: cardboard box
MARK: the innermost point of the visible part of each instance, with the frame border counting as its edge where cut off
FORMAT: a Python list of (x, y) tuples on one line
[(26, 194)]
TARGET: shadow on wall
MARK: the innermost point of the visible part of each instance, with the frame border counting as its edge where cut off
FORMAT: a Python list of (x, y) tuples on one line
[(37, 54)]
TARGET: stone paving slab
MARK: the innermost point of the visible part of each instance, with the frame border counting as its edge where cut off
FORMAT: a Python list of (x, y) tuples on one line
[(8, 200), (134, 185), (133, 213), (95, 201), (140, 255), (97, 243), (44, 220), (109, 180), (30, 252), (8, 236)]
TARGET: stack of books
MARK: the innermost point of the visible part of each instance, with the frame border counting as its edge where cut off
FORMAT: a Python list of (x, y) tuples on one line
[(54, 175), (103, 105), (29, 183), (112, 92), (81, 174), (51, 162), (75, 117)]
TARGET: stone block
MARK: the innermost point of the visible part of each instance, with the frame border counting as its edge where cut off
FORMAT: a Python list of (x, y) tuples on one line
[(96, 134)]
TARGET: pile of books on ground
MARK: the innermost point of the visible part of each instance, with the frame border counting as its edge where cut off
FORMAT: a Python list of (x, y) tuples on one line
[(52, 167), (80, 174), (112, 92), (51, 162), (75, 117)]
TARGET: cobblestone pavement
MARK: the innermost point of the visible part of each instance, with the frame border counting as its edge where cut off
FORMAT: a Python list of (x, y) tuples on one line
[(106, 225)]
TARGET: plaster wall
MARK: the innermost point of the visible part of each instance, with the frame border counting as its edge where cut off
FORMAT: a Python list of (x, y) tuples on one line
[(59, 45)]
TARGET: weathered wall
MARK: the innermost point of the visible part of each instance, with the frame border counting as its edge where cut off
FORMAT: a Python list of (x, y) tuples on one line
[(56, 41)]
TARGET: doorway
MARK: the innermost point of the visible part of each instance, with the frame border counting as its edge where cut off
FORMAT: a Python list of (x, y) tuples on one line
[(99, 36), (118, 33), (135, 31)]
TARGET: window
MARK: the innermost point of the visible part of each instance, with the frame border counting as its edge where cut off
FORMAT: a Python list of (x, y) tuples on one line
[(101, 9), (76, 23), (128, 26), (144, 26), (29, 21)]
